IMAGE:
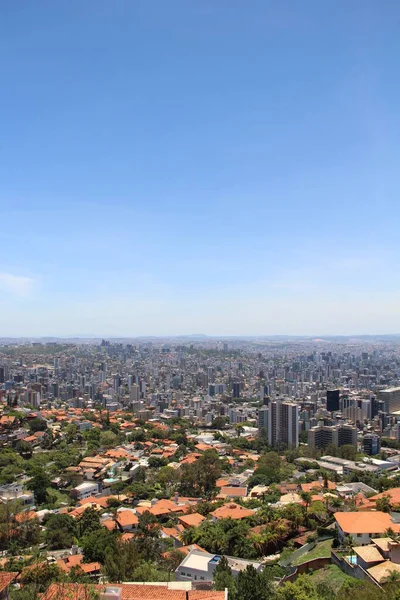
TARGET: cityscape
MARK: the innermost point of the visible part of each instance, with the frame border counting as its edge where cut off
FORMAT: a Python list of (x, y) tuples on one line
[(254, 467)]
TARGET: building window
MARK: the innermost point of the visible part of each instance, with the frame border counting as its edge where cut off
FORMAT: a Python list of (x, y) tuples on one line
[(359, 534)]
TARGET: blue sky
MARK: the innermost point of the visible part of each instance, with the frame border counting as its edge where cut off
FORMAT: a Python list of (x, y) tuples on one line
[(222, 167)]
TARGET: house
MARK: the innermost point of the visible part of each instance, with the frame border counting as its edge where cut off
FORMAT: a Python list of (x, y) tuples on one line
[(191, 520), (393, 496), (231, 511), (383, 570), (15, 491), (363, 526), (200, 566), (6, 578), (130, 591), (126, 519), (174, 534), (76, 560), (367, 556), (232, 492), (258, 491), (84, 490)]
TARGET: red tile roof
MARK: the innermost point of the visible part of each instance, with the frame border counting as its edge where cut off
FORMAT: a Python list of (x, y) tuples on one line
[(5, 579), (365, 522), (76, 591)]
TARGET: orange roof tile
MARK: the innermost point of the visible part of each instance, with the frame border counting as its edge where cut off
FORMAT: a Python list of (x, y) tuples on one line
[(365, 522), (76, 591), (126, 517), (5, 579), (191, 520), (232, 511)]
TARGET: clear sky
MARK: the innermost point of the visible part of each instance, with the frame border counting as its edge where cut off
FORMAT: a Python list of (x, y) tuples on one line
[(199, 166)]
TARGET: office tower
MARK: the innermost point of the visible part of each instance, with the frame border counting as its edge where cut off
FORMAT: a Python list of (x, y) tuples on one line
[(117, 382), (236, 390), (225, 347), (263, 419), (176, 382), (211, 390), (391, 398), (143, 386), (321, 436), (130, 382), (281, 420), (2, 374), (56, 364), (371, 444), (134, 393), (332, 400)]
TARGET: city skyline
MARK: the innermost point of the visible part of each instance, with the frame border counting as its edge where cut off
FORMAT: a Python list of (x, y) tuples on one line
[(219, 168)]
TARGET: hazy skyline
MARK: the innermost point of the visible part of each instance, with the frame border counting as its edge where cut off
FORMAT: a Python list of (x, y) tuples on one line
[(225, 168)]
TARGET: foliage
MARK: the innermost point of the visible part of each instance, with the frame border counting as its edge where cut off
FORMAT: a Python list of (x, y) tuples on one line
[(88, 522), (121, 561), (96, 544), (199, 479), (108, 439), (38, 484), (37, 424), (60, 531), (223, 578)]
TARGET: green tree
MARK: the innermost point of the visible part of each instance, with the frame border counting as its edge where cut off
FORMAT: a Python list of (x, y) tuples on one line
[(60, 531), (223, 578), (120, 562), (250, 585), (96, 543), (38, 484), (383, 504), (348, 452), (37, 424), (88, 522), (108, 439), (306, 497)]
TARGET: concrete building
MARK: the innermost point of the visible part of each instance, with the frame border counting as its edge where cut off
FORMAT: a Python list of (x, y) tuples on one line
[(200, 566), (321, 436), (281, 420), (371, 444), (391, 399)]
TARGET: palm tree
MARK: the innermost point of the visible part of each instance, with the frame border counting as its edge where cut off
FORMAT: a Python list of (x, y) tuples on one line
[(187, 536), (393, 577), (306, 497), (335, 502)]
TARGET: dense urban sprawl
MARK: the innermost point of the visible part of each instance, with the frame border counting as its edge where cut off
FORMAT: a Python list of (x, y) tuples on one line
[(203, 468)]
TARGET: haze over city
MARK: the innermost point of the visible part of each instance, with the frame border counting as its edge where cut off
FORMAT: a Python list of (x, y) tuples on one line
[(222, 167)]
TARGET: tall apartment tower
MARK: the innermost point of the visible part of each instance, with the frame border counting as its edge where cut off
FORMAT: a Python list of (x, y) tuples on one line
[(281, 420), (332, 400), (391, 398), (236, 390)]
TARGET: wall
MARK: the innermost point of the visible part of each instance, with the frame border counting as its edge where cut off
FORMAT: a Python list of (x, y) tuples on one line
[(314, 565)]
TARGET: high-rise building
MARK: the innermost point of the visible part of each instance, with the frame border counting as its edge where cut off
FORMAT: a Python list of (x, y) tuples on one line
[(391, 398), (371, 444), (332, 400), (281, 420), (321, 436), (117, 382), (236, 390), (134, 395)]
